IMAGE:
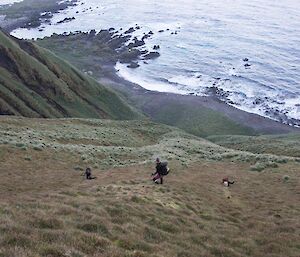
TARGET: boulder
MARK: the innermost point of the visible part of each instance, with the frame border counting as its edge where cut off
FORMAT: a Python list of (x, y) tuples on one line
[(133, 65), (66, 20), (151, 55), (129, 31), (136, 43)]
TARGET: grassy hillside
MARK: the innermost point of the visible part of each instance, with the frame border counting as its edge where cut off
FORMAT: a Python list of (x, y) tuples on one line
[(200, 121), (48, 209), (36, 83), (272, 144)]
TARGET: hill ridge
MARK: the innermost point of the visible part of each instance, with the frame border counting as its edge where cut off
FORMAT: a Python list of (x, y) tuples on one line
[(36, 83)]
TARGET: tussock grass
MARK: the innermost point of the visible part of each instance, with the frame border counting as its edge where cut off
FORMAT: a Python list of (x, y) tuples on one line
[(48, 209), (286, 145)]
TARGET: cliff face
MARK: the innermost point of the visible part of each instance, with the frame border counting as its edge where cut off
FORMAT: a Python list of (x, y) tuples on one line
[(36, 83)]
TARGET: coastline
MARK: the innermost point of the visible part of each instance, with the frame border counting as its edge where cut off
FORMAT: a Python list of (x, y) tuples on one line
[(30, 13), (150, 102)]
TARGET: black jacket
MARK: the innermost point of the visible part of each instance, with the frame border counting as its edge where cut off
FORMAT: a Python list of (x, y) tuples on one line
[(161, 169)]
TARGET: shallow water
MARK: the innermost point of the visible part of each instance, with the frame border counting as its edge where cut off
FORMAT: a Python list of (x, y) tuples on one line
[(213, 38)]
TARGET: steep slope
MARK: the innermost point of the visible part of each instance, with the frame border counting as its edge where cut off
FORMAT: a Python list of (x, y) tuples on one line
[(36, 83), (48, 209)]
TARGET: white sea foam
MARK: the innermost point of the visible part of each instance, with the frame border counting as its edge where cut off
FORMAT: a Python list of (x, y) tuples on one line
[(133, 76), (212, 39), (2, 2)]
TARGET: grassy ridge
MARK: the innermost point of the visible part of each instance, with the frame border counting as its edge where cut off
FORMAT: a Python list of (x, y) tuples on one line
[(48, 209), (268, 144), (36, 83)]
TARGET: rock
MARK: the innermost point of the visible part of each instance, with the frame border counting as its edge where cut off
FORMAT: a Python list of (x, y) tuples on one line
[(133, 65), (258, 101), (245, 59), (92, 33), (145, 37), (151, 55), (129, 55), (137, 27), (136, 43), (118, 41), (129, 31), (103, 36), (47, 15), (111, 29), (66, 20)]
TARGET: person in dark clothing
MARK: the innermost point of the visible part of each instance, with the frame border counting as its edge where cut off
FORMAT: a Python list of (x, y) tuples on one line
[(88, 174), (161, 171)]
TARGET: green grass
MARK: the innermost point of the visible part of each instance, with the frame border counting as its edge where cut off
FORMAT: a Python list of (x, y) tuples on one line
[(47, 208), (287, 145), (107, 143), (36, 83), (199, 121)]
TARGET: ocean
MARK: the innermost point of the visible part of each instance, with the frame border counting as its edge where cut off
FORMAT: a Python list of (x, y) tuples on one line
[(245, 52)]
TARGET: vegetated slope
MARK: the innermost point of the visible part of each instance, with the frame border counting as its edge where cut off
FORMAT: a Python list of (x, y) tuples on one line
[(36, 83), (195, 119), (201, 116), (272, 144), (48, 209)]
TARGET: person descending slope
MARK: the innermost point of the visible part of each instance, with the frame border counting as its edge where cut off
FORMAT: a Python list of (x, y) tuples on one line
[(88, 174), (226, 182), (161, 171)]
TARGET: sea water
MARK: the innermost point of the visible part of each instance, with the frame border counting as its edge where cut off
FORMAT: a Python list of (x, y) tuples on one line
[(205, 45), (3, 2)]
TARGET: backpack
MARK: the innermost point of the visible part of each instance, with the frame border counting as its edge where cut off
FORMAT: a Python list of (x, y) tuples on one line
[(164, 170)]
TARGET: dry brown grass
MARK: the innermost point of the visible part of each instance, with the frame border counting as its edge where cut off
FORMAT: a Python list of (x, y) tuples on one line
[(48, 209)]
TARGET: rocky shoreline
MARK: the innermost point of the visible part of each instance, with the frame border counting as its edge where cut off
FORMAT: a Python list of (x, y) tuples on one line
[(107, 46), (98, 52), (31, 13)]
